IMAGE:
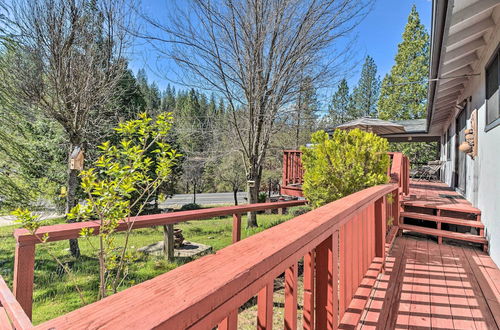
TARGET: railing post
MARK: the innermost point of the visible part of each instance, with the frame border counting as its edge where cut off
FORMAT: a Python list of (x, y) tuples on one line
[(396, 208), (285, 169), (308, 315), (168, 241), (291, 287), (380, 227), (230, 322), (24, 268), (327, 283), (236, 227), (265, 307)]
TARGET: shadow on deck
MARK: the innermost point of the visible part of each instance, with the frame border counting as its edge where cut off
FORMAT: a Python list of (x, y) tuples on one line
[(426, 285)]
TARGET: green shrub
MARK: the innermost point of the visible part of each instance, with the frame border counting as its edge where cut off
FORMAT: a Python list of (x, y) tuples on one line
[(299, 210), (339, 166), (262, 197), (190, 206)]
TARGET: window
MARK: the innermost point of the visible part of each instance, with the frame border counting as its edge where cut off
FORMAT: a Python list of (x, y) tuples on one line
[(492, 92), (448, 143)]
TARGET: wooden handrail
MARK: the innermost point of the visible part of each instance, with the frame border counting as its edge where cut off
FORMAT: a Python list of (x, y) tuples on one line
[(340, 241), (72, 230), (399, 171), (13, 309), (24, 261)]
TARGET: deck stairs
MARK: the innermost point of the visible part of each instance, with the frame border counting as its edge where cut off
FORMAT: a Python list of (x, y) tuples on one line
[(443, 221)]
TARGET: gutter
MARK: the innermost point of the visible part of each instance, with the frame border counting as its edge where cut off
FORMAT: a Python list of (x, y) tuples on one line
[(441, 9)]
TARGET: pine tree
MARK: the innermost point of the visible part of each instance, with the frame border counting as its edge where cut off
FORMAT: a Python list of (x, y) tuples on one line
[(306, 109), (168, 100), (365, 94), (404, 90), (339, 110)]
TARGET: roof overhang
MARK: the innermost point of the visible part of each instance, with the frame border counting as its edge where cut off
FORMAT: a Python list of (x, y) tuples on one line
[(415, 131), (460, 31)]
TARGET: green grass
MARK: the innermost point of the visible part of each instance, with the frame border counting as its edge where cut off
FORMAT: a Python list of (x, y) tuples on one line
[(54, 291)]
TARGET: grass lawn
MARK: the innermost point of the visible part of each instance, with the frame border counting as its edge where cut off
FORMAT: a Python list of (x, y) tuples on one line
[(55, 292)]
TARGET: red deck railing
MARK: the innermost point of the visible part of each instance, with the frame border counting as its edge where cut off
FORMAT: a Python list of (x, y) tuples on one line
[(399, 171), (339, 243), (12, 314), (25, 248), (293, 172)]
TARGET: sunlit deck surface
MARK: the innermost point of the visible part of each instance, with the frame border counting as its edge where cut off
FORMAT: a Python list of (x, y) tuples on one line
[(437, 195), (431, 286)]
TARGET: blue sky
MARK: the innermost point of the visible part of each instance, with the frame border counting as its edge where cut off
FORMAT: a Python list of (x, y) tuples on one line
[(378, 36)]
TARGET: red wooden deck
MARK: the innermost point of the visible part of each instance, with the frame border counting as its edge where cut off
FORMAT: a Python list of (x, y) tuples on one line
[(432, 286), (437, 195), (344, 245)]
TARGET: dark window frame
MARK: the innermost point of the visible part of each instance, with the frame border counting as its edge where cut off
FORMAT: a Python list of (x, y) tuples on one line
[(495, 122)]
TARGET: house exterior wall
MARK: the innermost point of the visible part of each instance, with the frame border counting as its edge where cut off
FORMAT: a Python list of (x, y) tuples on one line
[(483, 172)]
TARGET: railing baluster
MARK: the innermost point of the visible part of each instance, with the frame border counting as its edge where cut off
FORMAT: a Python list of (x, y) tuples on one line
[(369, 223), (396, 208), (265, 307), (355, 259), (361, 245), (291, 276), (24, 269), (236, 227), (284, 175), (308, 314), (348, 265), (326, 305), (342, 270), (230, 322), (335, 280), (380, 227), (364, 226), (372, 234), (361, 262)]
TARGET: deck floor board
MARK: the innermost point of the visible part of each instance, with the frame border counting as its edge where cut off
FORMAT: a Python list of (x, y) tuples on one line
[(431, 286), (437, 195)]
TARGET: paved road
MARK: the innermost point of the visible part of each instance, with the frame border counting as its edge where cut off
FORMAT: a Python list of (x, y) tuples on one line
[(204, 199), (8, 220), (175, 201)]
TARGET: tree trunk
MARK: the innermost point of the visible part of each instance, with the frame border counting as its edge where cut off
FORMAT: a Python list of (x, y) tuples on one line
[(194, 193), (71, 200), (235, 193), (253, 197)]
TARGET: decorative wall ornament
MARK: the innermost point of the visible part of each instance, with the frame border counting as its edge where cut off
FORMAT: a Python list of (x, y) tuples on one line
[(469, 146)]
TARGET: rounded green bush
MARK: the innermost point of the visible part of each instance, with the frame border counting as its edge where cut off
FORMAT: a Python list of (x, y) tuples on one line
[(347, 162)]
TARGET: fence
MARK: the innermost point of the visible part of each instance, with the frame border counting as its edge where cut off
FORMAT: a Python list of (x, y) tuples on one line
[(292, 173), (25, 242), (340, 243)]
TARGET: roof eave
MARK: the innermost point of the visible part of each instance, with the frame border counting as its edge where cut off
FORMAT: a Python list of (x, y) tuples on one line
[(439, 20)]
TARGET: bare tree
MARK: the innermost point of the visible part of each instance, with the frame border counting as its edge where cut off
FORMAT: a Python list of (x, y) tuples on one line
[(68, 63), (254, 53), (193, 174)]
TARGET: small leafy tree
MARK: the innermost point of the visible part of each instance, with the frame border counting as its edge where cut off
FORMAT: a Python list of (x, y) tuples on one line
[(348, 162), (118, 188)]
